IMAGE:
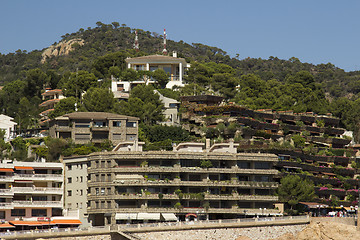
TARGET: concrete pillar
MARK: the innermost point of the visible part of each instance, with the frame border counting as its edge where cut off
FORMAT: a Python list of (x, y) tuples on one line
[(147, 67), (180, 71), (129, 65)]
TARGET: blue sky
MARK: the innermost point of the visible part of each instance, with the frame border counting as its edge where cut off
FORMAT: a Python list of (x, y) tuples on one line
[(314, 31)]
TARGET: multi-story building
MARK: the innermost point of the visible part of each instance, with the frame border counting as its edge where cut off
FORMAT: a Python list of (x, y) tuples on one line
[(30, 189), (76, 190), (171, 110), (95, 127), (215, 182)]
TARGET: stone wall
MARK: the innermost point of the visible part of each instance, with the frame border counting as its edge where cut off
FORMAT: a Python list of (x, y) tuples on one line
[(253, 233)]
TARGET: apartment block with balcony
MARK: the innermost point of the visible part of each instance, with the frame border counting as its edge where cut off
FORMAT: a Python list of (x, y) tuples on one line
[(95, 127), (193, 180), (76, 190), (30, 189)]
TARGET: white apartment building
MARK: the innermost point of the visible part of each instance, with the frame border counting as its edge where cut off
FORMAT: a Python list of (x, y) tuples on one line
[(7, 123), (30, 190)]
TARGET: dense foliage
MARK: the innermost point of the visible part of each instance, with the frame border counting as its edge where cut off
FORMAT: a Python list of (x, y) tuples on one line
[(254, 83)]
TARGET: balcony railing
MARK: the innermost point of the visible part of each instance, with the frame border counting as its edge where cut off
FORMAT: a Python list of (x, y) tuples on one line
[(37, 190), (6, 206), (6, 192), (57, 204), (48, 177)]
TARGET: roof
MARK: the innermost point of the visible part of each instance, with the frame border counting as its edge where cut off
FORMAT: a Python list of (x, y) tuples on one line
[(30, 223), (6, 170), (51, 92), (94, 116), (23, 168), (49, 102), (66, 221), (155, 59), (6, 225)]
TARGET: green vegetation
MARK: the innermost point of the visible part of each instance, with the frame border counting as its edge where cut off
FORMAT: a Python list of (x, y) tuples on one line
[(293, 190)]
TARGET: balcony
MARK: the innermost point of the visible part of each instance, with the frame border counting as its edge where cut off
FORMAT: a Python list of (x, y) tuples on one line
[(39, 177), (43, 204), (37, 190), (6, 192), (6, 206), (248, 211), (205, 183), (6, 179), (186, 196)]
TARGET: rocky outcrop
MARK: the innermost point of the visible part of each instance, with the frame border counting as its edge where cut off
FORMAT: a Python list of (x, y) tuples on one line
[(60, 49)]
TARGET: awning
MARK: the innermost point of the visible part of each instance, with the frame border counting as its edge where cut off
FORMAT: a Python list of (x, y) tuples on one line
[(24, 168), (6, 170), (6, 225), (168, 217), (148, 216), (66, 222), (30, 223), (125, 216)]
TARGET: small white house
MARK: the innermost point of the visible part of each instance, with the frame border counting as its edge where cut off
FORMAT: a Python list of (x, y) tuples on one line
[(7, 124)]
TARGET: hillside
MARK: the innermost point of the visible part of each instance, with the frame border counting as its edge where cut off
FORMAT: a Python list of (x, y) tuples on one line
[(98, 53)]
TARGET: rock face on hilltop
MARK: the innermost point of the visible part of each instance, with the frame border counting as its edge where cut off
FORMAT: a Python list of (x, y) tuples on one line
[(60, 49)]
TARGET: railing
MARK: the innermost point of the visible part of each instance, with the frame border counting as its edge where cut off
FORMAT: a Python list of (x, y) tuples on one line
[(37, 190), (6, 205), (229, 183), (37, 203), (6, 191), (39, 176), (55, 230)]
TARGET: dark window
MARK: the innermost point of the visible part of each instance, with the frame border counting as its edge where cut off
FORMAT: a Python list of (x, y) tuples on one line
[(18, 212), (38, 212), (69, 193), (116, 123), (130, 124)]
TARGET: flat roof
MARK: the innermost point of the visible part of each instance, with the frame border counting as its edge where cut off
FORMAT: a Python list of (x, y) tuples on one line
[(94, 116)]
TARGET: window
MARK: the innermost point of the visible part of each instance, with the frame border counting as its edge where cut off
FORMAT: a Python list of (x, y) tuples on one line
[(109, 204), (130, 137), (100, 124), (103, 177), (97, 191), (82, 136), (38, 213), (69, 180), (262, 165), (69, 205), (18, 212), (120, 87), (173, 105), (2, 214), (69, 167), (102, 164), (109, 191), (69, 193), (130, 124), (77, 179), (109, 177), (81, 179), (109, 164), (80, 206), (102, 191), (96, 204), (81, 192), (116, 123), (82, 124)]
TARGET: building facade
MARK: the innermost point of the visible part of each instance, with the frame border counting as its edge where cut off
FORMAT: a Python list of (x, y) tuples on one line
[(8, 125), (95, 127), (30, 190), (211, 183), (76, 190)]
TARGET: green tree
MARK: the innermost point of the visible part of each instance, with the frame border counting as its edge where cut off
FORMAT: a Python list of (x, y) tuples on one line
[(78, 83), (161, 77), (293, 190), (66, 105), (99, 100)]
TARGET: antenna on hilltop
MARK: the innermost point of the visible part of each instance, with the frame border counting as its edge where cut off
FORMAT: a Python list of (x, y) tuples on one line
[(164, 51), (136, 44)]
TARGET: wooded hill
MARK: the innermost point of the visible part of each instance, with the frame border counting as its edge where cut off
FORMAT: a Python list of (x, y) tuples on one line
[(255, 83)]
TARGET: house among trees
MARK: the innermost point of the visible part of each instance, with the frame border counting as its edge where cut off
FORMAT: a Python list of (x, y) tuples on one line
[(50, 97), (173, 66), (95, 127), (7, 123)]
